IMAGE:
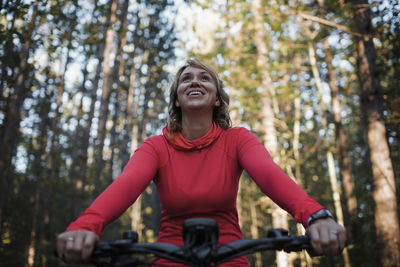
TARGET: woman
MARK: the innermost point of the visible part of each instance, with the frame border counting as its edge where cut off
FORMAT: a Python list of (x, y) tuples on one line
[(196, 165)]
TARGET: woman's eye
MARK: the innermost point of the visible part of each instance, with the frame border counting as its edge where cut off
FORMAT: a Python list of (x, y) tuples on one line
[(205, 78), (185, 79)]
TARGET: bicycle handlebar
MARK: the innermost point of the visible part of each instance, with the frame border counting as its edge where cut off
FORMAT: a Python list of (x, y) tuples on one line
[(200, 249)]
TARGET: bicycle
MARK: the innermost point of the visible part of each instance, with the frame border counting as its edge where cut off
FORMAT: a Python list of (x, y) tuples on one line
[(200, 236)]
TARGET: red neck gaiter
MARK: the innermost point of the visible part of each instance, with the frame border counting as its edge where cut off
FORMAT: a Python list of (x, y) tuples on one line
[(180, 143)]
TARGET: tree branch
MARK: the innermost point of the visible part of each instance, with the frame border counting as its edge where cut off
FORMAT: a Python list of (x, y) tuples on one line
[(327, 22)]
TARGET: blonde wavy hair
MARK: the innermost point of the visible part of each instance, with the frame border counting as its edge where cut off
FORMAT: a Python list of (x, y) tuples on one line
[(220, 114)]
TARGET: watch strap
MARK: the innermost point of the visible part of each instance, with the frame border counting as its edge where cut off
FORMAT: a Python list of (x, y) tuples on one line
[(321, 214)]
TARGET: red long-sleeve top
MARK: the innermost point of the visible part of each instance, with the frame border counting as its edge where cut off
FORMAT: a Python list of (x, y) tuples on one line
[(197, 178)]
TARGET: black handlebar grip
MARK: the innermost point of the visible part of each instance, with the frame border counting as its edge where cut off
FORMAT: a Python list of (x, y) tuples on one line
[(131, 235)]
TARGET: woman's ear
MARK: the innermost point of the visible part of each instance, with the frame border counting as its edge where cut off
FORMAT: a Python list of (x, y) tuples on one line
[(217, 103), (177, 103)]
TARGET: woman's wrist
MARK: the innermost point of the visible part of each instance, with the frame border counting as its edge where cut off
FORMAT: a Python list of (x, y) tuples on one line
[(321, 214)]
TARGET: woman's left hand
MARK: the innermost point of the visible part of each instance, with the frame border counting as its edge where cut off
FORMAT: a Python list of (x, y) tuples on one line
[(327, 237)]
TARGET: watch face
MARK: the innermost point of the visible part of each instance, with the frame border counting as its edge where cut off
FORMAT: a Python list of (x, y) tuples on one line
[(321, 213), (324, 213)]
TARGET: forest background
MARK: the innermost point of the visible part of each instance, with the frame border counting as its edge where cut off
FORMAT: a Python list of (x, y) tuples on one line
[(84, 82)]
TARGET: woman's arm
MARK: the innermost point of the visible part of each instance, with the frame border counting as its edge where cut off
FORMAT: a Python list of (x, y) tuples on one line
[(272, 180), (327, 237), (125, 189), (76, 243)]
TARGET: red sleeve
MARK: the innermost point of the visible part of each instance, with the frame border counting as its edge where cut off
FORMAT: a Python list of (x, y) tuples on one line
[(109, 205), (271, 179)]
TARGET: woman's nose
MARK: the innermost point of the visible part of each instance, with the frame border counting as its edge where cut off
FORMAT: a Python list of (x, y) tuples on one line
[(194, 82)]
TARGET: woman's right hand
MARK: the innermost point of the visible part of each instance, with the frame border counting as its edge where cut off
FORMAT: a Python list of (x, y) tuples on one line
[(76, 246)]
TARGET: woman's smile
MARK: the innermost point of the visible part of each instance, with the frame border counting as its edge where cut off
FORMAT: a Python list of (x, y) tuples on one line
[(195, 92)]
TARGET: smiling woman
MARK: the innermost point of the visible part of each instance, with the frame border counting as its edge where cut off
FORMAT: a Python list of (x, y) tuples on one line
[(196, 165), (208, 75), (196, 85)]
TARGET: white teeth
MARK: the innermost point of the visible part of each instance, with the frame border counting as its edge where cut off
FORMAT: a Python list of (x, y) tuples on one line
[(195, 93)]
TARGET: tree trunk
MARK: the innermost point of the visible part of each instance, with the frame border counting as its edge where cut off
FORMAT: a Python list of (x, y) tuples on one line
[(119, 68), (279, 216), (8, 53), (45, 186), (336, 199), (9, 138), (105, 97), (305, 259), (83, 161), (331, 163), (341, 144), (384, 187), (135, 212), (78, 168), (38, 172), (254, 230), (136, 209), (130, 113)]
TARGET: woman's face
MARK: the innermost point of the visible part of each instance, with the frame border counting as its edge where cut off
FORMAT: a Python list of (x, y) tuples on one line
[(196, 89)]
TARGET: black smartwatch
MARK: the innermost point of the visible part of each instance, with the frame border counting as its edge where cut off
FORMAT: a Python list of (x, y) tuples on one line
[(321, 214)]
